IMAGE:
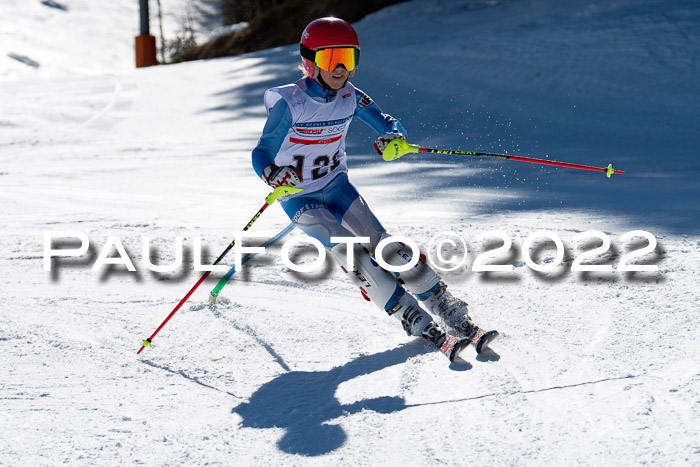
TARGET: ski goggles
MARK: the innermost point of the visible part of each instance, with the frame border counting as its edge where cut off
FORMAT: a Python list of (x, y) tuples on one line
[(328, 59)]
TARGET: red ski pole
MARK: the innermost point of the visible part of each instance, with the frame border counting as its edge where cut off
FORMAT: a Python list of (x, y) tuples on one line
[(271, 198), (399, 147)]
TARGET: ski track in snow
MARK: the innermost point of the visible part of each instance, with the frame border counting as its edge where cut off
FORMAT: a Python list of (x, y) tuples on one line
[(298, 369)]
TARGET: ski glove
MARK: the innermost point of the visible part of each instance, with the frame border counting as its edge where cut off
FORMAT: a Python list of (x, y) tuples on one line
[(277, 176), (384, 139)]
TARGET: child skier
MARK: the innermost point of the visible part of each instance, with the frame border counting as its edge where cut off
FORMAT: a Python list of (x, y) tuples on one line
[(303, 145)]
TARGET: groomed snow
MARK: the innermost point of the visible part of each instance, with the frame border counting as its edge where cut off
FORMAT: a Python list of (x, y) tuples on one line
[(293, 369)]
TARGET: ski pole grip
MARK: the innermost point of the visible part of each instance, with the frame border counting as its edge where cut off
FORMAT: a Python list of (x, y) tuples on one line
[(397, 148), (281, 191)]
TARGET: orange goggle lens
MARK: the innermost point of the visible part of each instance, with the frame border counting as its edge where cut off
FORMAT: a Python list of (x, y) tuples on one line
[(329, 59)]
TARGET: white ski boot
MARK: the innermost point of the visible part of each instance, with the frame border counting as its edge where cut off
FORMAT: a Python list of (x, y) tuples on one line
[(383, 289), (453, 311), (415, 320)]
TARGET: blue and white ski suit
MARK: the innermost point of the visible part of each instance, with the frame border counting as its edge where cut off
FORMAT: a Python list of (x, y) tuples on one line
[(306, 128)]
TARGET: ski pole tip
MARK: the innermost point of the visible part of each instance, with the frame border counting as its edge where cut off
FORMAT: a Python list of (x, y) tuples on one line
[(213, 297), (609, 171)]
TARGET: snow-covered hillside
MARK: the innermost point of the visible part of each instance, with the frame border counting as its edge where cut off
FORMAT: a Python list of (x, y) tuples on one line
[(47, 38), (287, 368)]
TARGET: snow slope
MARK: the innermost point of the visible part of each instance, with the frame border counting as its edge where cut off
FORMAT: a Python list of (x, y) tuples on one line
[(46, 38), (298, 369)]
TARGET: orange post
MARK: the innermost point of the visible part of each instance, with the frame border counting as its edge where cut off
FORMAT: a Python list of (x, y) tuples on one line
[(145, 51)]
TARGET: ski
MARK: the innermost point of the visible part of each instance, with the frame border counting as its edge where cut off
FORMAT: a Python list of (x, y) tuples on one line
[(453, 346), (482, 339)]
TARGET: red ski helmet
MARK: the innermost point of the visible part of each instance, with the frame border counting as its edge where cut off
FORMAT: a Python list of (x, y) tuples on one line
[(325, 33)]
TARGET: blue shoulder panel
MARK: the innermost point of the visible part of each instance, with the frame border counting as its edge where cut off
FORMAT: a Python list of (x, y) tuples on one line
[(279, 121)]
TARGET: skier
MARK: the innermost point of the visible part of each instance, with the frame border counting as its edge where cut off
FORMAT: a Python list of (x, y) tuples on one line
[(303, 145)]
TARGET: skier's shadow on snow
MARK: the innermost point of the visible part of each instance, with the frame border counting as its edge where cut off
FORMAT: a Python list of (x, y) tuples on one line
[(303, 402)]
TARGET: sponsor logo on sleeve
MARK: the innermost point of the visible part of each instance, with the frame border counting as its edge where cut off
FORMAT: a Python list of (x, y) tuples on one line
[(365, 101)]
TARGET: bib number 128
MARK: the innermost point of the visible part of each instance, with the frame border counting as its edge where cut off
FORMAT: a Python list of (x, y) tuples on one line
[(322, 164)]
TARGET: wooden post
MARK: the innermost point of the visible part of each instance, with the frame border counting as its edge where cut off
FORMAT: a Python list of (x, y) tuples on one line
[(145, 51), (145, 43)]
